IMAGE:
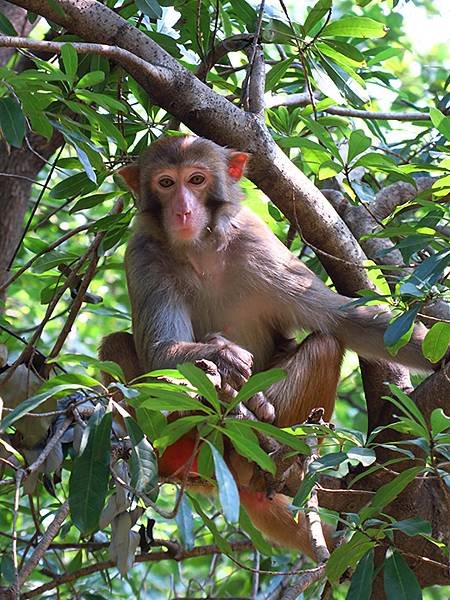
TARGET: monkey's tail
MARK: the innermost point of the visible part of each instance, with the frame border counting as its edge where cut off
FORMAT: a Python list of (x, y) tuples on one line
[(362, 329)]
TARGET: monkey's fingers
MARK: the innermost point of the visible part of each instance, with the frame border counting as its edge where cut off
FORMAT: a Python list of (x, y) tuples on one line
[(261, 408)]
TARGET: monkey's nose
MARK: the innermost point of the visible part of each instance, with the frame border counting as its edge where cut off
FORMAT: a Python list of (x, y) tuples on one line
[(184, 216)]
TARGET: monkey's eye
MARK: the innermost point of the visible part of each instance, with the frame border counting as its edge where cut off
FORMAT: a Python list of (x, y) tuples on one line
[(197, 179), (166, 182)]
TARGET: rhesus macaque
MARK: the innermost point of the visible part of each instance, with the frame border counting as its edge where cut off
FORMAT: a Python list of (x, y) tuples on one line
[(208, 280)]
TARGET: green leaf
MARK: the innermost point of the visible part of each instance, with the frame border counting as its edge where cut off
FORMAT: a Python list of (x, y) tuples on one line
[(151, 8), (90, 79), (294, 441), (347, 555), (358, 143), (150, 421), (6, 26), (413, 526), (441, 122), (359, 27), (366, 456), (185, 523), (143, 464), (362, 579), (319, 10), (400, 583), (326, 84), (200, 381), (74, 185), (12, 121), (70, 60), (218, 538), (248, 446), (436, 342), (400, 326), (88, 483), (258, 383), (166, 399), (30, 404), (174, 430), (439, 421), (228, 491), (389, 492), (345, 79), (276, 73), (408, 406), (303, 492)]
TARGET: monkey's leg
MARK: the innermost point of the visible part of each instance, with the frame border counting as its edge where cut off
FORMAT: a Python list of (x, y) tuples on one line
[(119, 347), (274, 519), (313, 369), (312, 376)]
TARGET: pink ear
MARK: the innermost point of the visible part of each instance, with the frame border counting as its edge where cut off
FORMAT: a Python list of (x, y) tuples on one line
[(131, 175), (236, 164)]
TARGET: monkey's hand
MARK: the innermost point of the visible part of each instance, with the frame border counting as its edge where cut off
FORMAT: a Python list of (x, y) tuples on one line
[(234, 363), (235, 367)]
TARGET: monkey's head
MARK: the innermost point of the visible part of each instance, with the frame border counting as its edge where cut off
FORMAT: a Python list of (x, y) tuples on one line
[(187, 184)]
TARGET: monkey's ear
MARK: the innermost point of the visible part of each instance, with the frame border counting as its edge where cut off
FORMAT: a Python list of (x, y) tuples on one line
[(236, 164), (131, 175)]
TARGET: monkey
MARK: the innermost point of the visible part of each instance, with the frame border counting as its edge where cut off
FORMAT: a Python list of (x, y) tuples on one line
[(207, 279)]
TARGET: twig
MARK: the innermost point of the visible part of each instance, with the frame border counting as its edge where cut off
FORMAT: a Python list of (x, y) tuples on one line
[(78, 300), (50, 533), (303, 583), (18, 480), (141, 558), (35, 207), (49, 447), (246, 96), (48, 248), (304, 100)]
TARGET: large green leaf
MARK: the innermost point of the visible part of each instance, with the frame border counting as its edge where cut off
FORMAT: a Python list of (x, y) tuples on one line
[(389, 492), (258, 383), (70, 60), (12, 121), (347, 555), (185, 523), (362, 579), (436, 342), (400, 583), (359, 27), (201, 383), (143, 463), (318, 11), (88, 483), (228, 491)]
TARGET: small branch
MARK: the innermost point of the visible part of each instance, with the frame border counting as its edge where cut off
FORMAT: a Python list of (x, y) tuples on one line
[(257, 81), (303, 583), (141, 558), (246, 91), (305, 100), (48, 248), (312, 517), (82, 288), (50, 533), (49, 447)]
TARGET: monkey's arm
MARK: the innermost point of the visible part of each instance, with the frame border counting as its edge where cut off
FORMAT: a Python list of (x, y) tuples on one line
[(301, 300)]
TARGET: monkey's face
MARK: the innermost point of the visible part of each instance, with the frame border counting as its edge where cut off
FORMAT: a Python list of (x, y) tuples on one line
[(182, 193), (186, 183)]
